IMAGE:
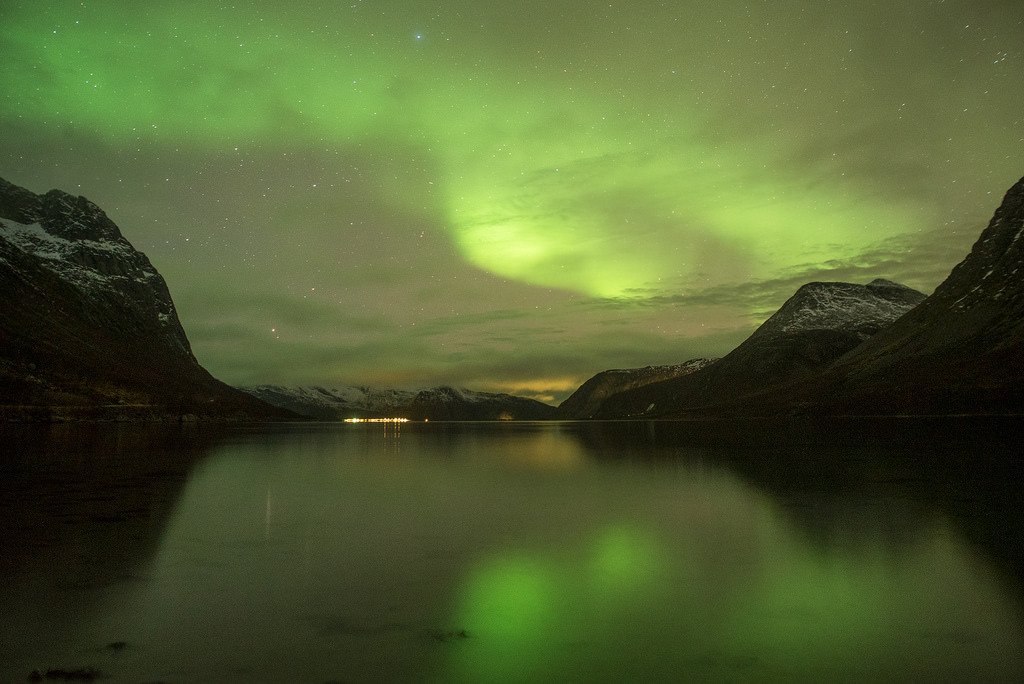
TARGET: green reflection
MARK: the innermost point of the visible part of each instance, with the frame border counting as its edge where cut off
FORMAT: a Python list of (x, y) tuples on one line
[(739, 595), (512, 609), (808, 614), (624, 559), (523, 611), (316, 553)]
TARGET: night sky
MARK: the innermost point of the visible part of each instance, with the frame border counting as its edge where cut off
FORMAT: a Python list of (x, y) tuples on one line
[(512, 196)]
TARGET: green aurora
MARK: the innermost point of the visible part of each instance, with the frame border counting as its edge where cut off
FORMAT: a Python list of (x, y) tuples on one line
[(513, 197)]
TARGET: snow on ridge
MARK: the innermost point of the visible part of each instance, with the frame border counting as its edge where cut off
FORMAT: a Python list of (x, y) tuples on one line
[(358, 398), (341, 398), (30, 236), (82, 263), (447, 394), (61, 255), (838, 306), (694, 364), (369, 399)]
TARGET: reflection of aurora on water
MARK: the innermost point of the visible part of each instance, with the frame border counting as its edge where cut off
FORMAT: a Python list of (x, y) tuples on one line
[(724, 595), (526, 610), (554, 552), (717, 580)]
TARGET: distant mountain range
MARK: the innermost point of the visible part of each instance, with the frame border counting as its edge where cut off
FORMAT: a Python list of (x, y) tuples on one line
[(875, 349), (88, 328), (439, 403)]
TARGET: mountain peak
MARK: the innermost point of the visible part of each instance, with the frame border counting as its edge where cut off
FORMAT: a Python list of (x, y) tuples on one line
[(88, 325), (960, 350), (883, 283), (60, 214), (72, 239), (862, 309), (821, 322), (19, 204), (74, 217)]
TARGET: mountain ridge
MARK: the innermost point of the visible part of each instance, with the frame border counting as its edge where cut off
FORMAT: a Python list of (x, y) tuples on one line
[(959, 351), (819, 323), (89, 323), (587, 399), (435, 403)]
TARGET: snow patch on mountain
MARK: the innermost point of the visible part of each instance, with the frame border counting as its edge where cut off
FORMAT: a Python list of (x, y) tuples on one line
[(336, 398), (586, 401), (690, 366), (98, 267), (353, 401), (371, 399), (456, 395), (842, 306)]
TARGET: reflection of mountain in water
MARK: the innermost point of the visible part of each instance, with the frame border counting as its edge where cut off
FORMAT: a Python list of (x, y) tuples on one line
[(823, 471), (83, 508), (741, 550)]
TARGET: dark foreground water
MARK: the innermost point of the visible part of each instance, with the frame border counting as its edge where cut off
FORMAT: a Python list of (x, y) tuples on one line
[(852, 551)]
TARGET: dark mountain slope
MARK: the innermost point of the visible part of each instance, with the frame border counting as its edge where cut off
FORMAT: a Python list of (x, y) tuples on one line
[(87, 325), (586, 401), (959, 351), (816, 326)]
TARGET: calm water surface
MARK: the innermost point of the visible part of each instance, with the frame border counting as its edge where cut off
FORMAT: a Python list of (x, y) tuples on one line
[(855, 551)]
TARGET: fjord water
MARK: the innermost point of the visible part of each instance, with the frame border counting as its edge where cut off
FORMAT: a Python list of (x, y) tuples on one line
[(752, 551)]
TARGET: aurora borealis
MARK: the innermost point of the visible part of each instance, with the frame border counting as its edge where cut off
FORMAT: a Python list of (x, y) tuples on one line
[(513, 196)]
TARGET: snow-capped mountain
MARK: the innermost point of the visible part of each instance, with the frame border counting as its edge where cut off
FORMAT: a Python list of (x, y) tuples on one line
[(439, 403), (862, 310), (816, 326), (585, 401), (88, 322), (72, 239), (332, 403), (959, 351)]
